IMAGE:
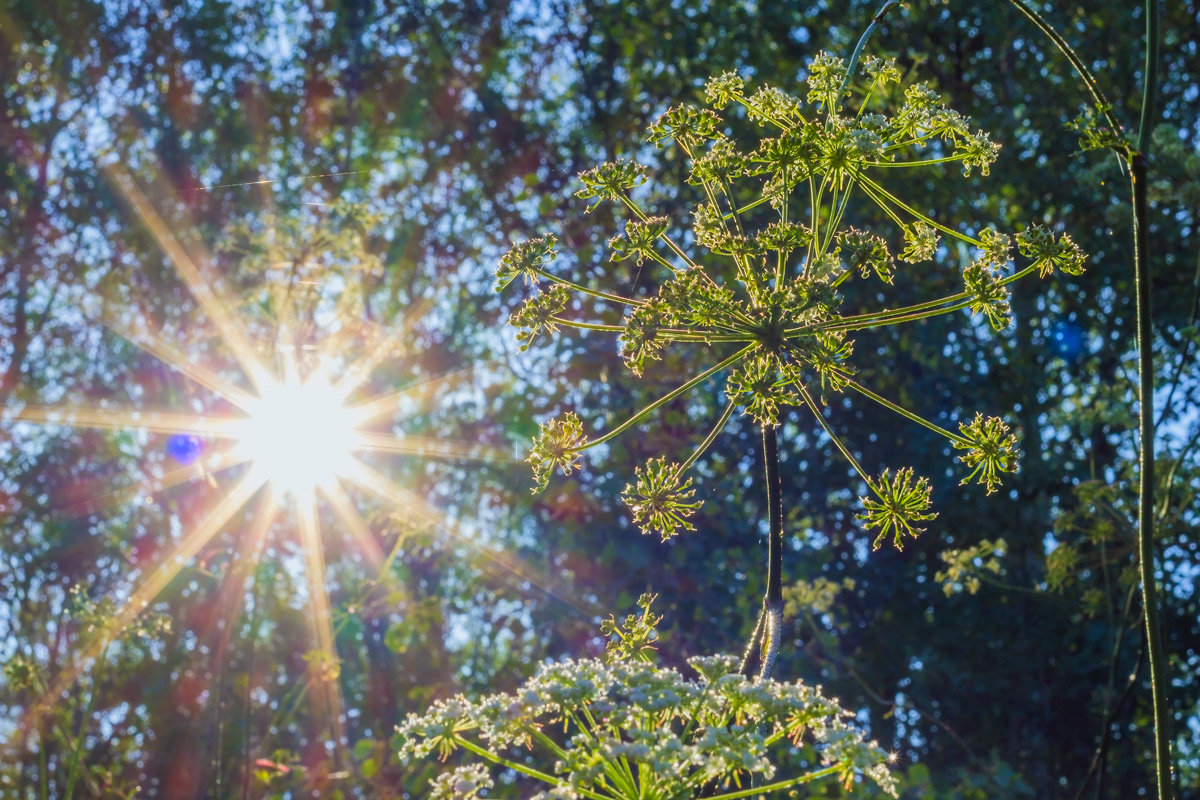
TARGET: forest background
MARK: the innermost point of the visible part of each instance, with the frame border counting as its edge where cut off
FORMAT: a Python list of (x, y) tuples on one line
[(999, 655)]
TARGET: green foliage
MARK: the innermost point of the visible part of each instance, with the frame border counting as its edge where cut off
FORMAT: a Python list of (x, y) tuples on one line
[(964, 567)]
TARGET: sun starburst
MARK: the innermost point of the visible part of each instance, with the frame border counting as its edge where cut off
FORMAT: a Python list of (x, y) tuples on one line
[(290, 429)]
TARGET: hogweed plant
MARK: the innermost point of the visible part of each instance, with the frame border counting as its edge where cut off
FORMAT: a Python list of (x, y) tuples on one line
[(623, 728), (757, 287)]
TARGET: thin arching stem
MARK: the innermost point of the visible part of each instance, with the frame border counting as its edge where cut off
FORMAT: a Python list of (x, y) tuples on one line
[(862, 40)]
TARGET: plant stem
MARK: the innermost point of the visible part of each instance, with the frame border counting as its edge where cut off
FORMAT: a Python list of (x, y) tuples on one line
[(1154, 645), (752, 646), (1089, 81), (904, 412), (780, 785), (615, 298), (668, 397), (708, 440), (862, 40), (81, 737), (773, 601), (1141, 265)]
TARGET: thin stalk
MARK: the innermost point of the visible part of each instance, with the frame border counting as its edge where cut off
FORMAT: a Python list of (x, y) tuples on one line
[(928, 162), (930, 308), (891, 318), (641, 215), (1154, 644), (708, 440), (773, 601), (904, 412), (836, 202), (666, 398), (862, 40), (816, 411), (470, 746), (673, 334), (780, 785), (1089, 81), (781, 256), (1141, 265), (615, 298), (875, 190), (745, 668), (81, 736)]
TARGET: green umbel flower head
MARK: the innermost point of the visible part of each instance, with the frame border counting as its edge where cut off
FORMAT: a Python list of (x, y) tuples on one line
[(991, 449), (556, 445), (899, 502), (660, 499)]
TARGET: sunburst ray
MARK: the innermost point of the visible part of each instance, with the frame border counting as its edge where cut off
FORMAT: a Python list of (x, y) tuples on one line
[(205, 292), (518, 572), (148, 591), (152, 343), (323, 671)]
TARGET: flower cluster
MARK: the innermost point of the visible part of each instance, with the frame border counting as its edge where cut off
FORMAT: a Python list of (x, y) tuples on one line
[(990, 449), (630, 730), (898, 502), (660, 500), (557, 445), (763, 299)]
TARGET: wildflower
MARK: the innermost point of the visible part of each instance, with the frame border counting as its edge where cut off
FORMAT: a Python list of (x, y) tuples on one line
[(920, 242), (723, 89), (867, 253), (639, 239), (525, 258), (685, 125), (987, 294), (557, 445), (991, 449), (660, 500), (900, 502), (610, 181), (538, 314), (1039, 244)]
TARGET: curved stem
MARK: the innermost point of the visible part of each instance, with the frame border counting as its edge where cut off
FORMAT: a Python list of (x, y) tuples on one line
[(862, 40), (666, 398), (708, 440), (467, 744), (1154, 645), (816, 411), (878, 194), (775, 787), (1089, 81), (615, 298), (1141, 265), (749, 655), (904, 412), (81, 737)]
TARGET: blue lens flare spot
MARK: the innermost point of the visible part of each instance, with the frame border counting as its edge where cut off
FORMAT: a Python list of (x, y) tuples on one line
[(1066, 339), (184, 447)]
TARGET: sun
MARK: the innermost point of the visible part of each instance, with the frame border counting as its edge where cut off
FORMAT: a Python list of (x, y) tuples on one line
[(299, 435), (288, 418)]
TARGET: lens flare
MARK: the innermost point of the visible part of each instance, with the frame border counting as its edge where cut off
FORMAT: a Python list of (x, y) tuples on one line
[(299, 435)]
